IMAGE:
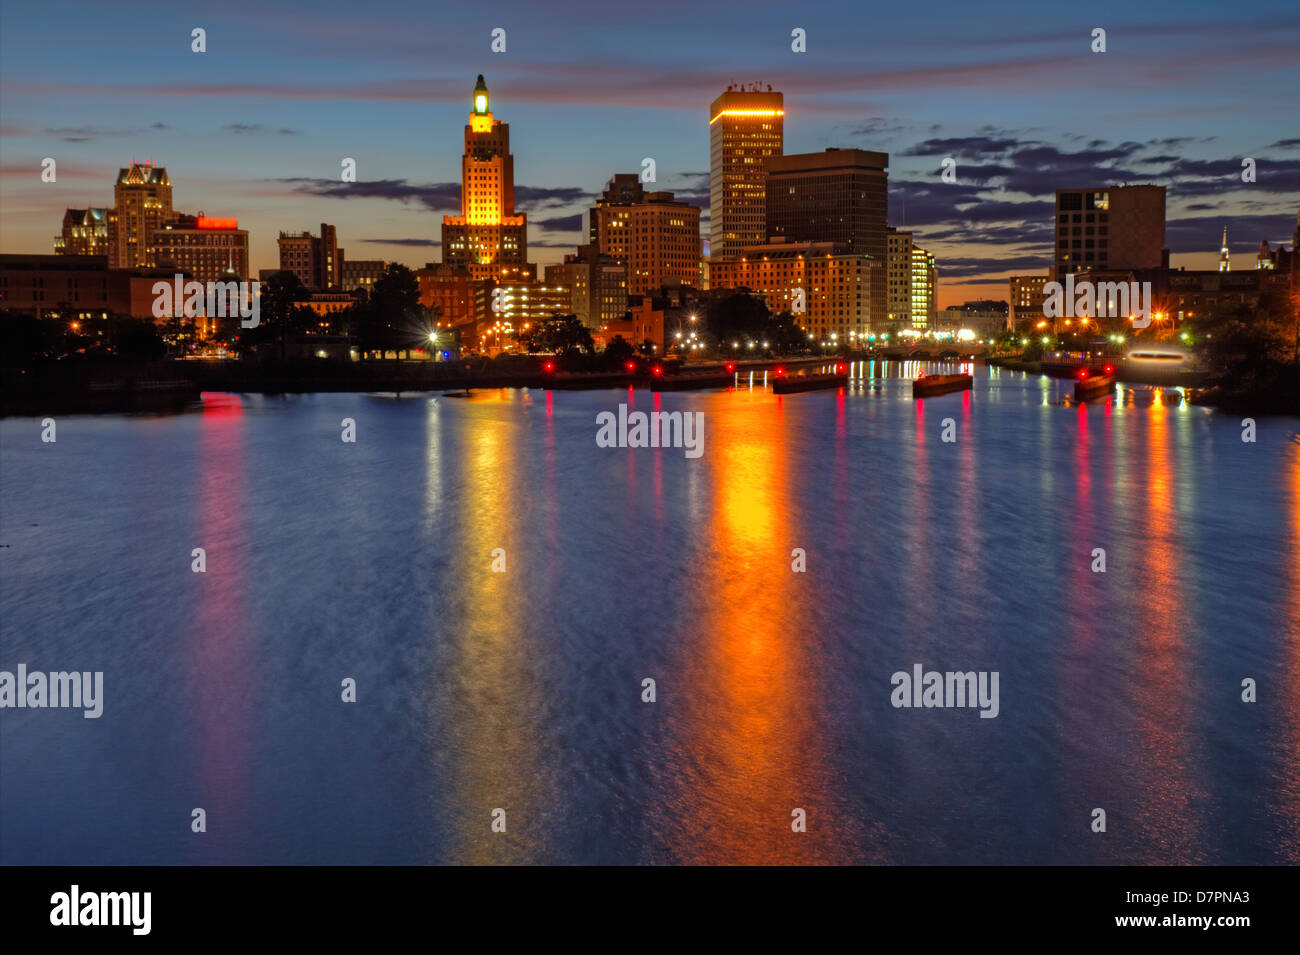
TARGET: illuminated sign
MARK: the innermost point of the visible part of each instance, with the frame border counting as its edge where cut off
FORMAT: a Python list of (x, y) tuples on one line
[(747, 112), (204, 222)]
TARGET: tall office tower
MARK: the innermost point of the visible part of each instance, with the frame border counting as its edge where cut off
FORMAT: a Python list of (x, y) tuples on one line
[(899, 278), (85, 232), (142, 203), (1113, 229), (316, 260), (654, 235), (745, 132), (836, 196), (487, 232)]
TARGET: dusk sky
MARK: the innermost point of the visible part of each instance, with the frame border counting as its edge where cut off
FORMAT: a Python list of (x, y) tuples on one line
[(256, 127)]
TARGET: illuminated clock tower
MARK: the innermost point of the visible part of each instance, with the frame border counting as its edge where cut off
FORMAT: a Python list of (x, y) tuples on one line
[(487, 233)]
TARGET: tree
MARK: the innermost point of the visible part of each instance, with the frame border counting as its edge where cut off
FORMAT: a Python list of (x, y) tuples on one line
[(137, 340), (392, 318), (563, 336), (1252, 353), (279, 294), (618, 352), (741, 317), (24, 338), (738, 317)]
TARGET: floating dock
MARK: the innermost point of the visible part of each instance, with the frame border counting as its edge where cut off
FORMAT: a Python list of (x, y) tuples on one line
[(1094, 386), (928, 386), (790, 384), (687, 382)]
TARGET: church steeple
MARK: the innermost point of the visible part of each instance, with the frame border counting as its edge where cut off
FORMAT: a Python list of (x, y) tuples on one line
[(1224, 264)]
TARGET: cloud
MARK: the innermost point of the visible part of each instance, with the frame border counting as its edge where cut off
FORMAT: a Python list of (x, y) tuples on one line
[(436, 196), (85, 134), (549, 197), (560, 223), (878, 127), (412, 243), (243, 129), (978, 265)]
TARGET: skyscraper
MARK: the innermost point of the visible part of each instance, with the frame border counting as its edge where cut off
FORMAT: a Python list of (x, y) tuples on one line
[(142, 203), (745, 131), (487, 232), (836, 196)]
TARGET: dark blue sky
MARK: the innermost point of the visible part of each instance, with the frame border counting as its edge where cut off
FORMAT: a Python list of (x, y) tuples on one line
[(256, 126)]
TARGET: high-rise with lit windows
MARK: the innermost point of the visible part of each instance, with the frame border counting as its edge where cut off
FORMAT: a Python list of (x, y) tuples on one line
[(206, 248), (833, 281), (925, 282), (656, 237), (745, 132), (487, 232), (898, 278), (85, 232), (143, 202)]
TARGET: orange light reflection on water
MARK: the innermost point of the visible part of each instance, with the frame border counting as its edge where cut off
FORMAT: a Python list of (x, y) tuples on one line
[(752, 736)]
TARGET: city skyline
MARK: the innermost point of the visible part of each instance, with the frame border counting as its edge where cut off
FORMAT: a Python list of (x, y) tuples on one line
[(1005, 106)]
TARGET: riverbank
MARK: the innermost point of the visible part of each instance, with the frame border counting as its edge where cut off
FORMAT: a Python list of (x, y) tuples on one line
[(84, 388)]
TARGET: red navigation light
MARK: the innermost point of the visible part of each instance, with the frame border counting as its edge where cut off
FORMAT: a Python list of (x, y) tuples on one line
[(839, 369), (1110, 369), (548, 367), (1083, 373), (657, 370), (780, 372), (630, 366), (205, 222), (731, 366)]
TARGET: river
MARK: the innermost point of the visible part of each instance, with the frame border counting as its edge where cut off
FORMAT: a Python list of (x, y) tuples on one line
[(522, 689)]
